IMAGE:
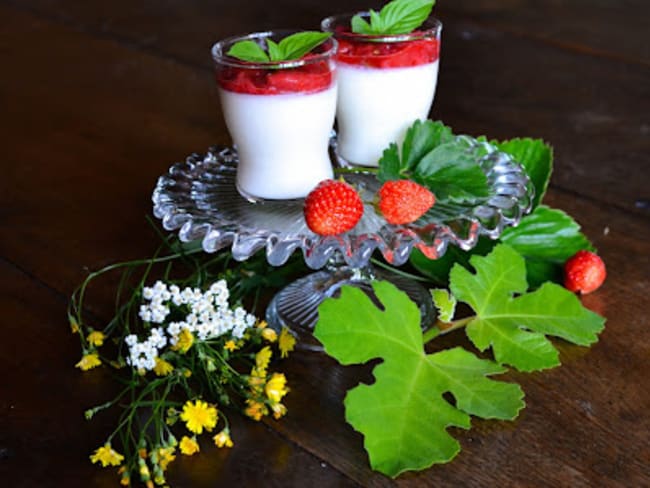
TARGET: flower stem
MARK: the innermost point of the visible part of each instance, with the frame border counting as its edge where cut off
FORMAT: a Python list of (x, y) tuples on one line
[(398, 271), (360, 169), (441, 328)]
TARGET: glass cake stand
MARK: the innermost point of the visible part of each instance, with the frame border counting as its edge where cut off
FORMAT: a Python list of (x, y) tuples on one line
[(199, 198)]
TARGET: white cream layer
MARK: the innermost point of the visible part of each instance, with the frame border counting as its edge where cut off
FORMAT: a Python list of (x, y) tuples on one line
[(377, 105), (282, 140)]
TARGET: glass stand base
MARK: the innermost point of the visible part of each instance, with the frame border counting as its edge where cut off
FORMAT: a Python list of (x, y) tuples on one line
[(296, 305)]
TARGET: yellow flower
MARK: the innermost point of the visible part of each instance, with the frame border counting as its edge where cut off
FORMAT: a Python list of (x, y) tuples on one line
[(117, 364), (162, 367), (185, 341), (261, 324), (279, 410), (165, 456), (107, 456), (96, 338), (189, 446), (199, 415), (89, 361), (262, 359), (255, 409), (187, 373), (276, 387), (256, 382), (269, 335), (125, 478), (286, 342), (74, 326), (145, 474), (222, 439), (230, 345)]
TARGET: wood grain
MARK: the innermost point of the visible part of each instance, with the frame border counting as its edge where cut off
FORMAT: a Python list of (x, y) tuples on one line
[(100, 99), (564, 95)]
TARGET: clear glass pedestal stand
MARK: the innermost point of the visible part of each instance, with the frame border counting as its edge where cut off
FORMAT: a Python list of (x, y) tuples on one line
[(296, 305), (199, 199)]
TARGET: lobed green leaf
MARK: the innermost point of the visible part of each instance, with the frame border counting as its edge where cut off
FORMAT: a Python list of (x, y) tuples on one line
[(403, 414), (515, 323), (445, 303)]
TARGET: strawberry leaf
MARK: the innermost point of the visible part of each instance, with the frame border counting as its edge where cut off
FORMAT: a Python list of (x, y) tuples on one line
[(546, 238), (515, 323), (390, 164), (451, 173), (403, 415), (536, 157), (435, 158), (420, 139), (438, 270)]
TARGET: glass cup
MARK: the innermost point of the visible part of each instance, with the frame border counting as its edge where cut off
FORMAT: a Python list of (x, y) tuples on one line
[(385, 84), (280, 117)]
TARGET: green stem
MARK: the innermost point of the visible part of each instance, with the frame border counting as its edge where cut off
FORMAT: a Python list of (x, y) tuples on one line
[(78, 295), (397, 271), (108, 404), (441, 328), (360, 169)]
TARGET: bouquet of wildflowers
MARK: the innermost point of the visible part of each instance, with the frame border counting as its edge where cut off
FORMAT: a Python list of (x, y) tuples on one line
[(187, 353)]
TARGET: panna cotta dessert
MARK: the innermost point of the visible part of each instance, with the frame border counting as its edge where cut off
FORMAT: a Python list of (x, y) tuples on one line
[(280, 115), (385, 83)]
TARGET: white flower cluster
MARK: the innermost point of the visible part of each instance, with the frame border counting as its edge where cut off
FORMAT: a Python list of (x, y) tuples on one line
[(142, 355), (208, 316)]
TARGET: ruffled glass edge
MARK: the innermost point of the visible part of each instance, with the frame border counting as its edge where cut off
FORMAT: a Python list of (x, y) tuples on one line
[(198, 197)]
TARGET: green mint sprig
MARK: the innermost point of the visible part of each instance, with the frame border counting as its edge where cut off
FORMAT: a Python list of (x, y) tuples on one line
[(290, 48), (396, 17)]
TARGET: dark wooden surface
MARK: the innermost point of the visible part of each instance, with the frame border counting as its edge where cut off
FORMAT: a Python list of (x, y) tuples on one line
[(99, 98)]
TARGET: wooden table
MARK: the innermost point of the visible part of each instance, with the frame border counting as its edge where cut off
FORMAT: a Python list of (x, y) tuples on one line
[(100, 98)]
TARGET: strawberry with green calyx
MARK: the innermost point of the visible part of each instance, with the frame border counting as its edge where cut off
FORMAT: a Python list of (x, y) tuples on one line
[(403, 201), (332, 207), (584, 272)]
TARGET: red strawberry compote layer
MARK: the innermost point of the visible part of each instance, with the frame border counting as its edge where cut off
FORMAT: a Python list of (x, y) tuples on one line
[(280, 117), (385, 84)]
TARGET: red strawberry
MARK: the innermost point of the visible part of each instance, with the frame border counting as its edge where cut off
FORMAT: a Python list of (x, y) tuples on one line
[(333, 207), (404, 201), (584, 272)]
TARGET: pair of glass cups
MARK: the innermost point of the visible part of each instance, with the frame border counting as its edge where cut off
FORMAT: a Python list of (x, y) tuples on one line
[(280, 115)]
